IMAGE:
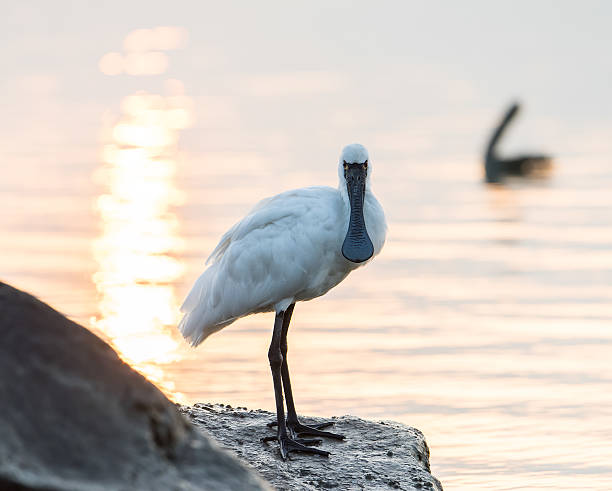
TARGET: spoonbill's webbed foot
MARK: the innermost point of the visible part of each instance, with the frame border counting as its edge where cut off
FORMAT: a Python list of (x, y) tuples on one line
[(309, 442), (295, 445), (297, 428), (318, 426)]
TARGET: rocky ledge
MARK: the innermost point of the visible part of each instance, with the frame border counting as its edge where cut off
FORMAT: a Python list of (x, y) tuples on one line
[(374, 455)]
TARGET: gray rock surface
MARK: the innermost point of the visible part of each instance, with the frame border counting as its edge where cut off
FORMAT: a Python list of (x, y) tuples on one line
[(73, 416), (375, 455)]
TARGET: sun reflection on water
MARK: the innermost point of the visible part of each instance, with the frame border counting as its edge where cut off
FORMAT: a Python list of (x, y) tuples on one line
[(137, 249)]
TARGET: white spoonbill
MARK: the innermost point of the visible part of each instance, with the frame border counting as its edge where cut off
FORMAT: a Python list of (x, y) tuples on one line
[(292, 247)]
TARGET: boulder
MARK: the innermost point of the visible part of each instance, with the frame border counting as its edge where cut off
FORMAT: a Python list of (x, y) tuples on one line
[(73, 416)]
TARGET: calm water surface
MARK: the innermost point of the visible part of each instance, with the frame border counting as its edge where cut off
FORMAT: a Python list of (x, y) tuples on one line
[(485, 321)]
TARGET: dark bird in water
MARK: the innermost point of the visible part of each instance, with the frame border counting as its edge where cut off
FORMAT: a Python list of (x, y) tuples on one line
[(497, 167)]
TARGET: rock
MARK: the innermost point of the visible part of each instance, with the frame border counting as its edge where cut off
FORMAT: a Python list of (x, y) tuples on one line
[(73, 416), (385, 455)]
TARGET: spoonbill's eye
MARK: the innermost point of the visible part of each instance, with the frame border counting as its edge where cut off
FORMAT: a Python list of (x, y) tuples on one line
[(365, 165), (345, 165)]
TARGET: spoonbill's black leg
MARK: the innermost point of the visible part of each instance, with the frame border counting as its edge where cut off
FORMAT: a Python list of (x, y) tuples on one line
[(293, 425), (275, 356)]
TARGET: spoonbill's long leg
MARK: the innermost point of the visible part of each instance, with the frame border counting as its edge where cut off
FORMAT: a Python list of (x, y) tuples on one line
[(291, 413), (292, 423), (275, 357)]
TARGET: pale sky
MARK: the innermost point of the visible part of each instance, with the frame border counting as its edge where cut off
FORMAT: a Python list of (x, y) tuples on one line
[(299, 80)]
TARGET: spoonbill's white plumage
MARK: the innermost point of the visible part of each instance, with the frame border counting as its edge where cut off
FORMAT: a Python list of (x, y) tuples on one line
[(291, 247)]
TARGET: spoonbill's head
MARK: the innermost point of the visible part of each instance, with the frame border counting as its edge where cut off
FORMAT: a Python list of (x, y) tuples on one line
[(354, 153), (354, 170)]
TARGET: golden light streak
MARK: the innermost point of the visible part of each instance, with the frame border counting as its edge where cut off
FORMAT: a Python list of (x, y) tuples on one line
[(111, 64), (137, 249)]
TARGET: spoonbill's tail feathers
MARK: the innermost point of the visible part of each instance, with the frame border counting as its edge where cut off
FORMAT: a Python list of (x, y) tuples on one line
[(198, 323), (190, 327), (195, 294)]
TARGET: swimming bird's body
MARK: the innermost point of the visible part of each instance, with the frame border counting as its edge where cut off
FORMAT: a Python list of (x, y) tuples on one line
[(292, 247), (497, 167)]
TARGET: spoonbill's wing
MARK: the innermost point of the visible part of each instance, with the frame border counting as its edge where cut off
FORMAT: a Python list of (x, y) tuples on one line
[(279, 249)]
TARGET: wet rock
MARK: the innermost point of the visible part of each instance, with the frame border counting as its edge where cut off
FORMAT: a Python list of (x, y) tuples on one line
[(73, 416), (384, 455)]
